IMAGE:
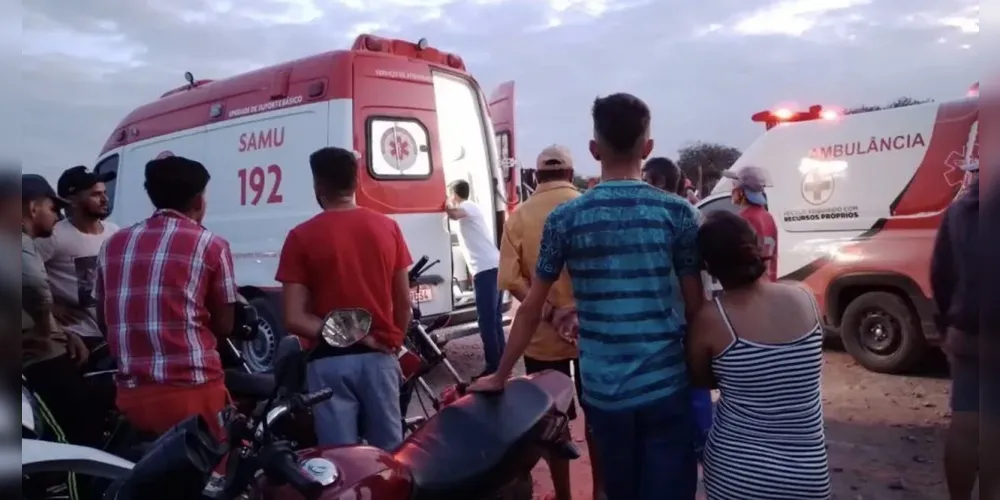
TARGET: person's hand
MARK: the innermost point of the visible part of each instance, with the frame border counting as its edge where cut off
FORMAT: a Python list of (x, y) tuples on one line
[(489, 383), (62, 314), (567, 324), (371, 342), (77, 349), (547, 312)]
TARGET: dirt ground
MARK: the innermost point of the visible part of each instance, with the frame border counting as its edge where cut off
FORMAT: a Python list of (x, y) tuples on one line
[(884, 432)]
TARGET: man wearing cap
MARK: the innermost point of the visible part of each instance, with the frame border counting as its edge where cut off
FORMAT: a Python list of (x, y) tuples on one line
[(50, 357), (748, 194), (167, 291), (70, 253), (519, 249)]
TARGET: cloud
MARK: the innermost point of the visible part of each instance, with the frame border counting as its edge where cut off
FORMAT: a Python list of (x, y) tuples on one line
[(703, 67)]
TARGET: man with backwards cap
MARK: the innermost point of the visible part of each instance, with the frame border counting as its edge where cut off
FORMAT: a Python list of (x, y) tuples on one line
[(748, 194), (70, 254)]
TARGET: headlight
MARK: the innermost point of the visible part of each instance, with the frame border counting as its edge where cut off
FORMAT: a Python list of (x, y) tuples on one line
[(31, 414)]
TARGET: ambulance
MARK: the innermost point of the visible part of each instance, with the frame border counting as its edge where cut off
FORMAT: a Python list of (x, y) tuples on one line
[(414, 115), (857, 200)]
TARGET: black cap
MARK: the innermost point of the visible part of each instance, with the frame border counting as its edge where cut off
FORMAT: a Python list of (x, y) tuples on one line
[(35, 187), (78, 179), (172, 179)]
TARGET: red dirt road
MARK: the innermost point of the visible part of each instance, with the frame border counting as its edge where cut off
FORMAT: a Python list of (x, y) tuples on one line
[(884, 435)]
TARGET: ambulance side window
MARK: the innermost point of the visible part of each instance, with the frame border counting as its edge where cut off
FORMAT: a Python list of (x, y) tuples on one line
[(398, 148), (109, 164)]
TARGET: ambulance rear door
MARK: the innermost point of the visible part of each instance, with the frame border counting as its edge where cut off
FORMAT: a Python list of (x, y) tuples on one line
[(502, 116)]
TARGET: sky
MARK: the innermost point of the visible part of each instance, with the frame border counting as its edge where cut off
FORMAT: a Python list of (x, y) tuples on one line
[(704, 67)]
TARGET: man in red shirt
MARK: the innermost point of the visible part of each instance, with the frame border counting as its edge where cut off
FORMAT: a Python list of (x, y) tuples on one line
[(748, 194), (166, 290), (349, 257)]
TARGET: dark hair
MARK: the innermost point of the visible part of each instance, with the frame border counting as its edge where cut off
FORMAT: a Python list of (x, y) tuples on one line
[(620, 122), (335, 170), (462, 189), (173, 182), (665, 171), (564, 174), (729, 247)]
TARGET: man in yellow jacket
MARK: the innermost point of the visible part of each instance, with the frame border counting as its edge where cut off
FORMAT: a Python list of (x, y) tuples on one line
[(549, 350)]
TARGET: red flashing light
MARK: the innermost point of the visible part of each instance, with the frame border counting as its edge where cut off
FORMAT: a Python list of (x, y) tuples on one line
[(974, 90), (772, 118)]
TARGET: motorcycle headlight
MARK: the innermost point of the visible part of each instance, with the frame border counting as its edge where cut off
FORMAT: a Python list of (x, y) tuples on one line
[(31, 414)]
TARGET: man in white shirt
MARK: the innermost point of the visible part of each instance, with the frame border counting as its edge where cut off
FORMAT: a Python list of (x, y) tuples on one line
[(483, 258), (70, 254)]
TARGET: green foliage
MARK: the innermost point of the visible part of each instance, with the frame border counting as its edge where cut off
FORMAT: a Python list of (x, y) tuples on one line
[(704, 162)]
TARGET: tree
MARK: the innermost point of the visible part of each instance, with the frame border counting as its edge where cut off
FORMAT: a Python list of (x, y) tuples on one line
[(901, 102), (704, 162), (580, 182)]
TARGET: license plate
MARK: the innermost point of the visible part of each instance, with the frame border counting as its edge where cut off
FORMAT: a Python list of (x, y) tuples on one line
[(421, 294)]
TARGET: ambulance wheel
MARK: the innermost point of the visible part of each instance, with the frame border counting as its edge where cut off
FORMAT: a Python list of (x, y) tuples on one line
[(259, 353), (881, 332)]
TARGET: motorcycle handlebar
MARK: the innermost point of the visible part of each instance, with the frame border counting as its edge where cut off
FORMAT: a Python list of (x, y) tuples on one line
[(421, 267), (299, 401)]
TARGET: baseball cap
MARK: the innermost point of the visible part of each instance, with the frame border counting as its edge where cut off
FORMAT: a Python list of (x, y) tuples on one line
[(78, 178), (751, 180), (554, 157), (34, 187)]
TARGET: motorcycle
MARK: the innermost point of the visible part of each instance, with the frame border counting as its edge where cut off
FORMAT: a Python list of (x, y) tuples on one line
[(422, 353), (473, 448), (247, 388)]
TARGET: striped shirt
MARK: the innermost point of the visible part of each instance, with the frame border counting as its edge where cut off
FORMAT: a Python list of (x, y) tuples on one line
[(624, 244)]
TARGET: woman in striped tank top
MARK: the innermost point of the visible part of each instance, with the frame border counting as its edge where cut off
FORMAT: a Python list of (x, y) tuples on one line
[(760, 343)]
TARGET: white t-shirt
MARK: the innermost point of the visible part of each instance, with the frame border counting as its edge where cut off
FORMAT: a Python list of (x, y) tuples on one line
[(71, 262), (478, 247)]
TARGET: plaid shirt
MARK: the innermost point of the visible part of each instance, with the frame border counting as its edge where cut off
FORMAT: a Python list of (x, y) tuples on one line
[(158, 282)]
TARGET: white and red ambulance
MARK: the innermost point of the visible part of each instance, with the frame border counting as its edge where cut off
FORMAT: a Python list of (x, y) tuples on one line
[(413, 112), (857, 200)]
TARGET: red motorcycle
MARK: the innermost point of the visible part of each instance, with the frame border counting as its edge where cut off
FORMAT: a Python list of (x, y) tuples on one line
[(474, 448)]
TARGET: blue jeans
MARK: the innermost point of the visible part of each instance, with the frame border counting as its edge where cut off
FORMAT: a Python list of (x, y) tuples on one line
[(365, 402), (488, 303), (648, 453)]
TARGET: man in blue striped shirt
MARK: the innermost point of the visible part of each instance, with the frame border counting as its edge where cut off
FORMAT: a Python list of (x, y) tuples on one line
[(625, 245)]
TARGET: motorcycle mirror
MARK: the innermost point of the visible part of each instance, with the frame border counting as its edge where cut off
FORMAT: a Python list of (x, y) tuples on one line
[(346, 327)]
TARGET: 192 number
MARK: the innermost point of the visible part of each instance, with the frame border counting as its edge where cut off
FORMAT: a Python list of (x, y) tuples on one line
[(254, 182)]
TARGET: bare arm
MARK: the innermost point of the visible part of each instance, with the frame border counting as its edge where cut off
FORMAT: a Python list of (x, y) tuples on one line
[(699, 349), (687, 263), (455, 213), (529, 316), (402, 307), (298, 320)]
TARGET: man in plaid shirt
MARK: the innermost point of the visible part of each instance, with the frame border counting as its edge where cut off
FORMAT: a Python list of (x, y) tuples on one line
[(166, 290)]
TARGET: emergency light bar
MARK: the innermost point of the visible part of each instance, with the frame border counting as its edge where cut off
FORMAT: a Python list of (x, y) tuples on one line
[(771, 118), (420, 50)]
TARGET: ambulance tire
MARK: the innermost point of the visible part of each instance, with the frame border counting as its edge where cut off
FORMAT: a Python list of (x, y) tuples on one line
[(882, 333), (259, 353)]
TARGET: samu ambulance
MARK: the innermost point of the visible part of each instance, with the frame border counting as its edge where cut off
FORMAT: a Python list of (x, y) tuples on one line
[(858, 200), (415, 115)]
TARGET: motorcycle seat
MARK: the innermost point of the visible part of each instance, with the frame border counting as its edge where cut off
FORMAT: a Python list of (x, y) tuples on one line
[(478, 444), (249, 385)]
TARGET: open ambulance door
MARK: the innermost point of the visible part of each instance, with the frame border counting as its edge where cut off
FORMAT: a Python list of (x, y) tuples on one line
[(502, 114)]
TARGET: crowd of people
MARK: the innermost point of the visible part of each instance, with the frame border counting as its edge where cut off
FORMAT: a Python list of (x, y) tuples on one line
[(610, 288)]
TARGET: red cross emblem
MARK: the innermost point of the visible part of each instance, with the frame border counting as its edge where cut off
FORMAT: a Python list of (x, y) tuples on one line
[(816, 189), (399, 148)]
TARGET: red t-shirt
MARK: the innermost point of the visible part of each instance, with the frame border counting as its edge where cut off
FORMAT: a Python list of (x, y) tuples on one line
[(348, 259), (767, 235)]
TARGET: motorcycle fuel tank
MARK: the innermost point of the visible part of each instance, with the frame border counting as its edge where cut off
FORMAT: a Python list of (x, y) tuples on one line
[(357, 473)]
